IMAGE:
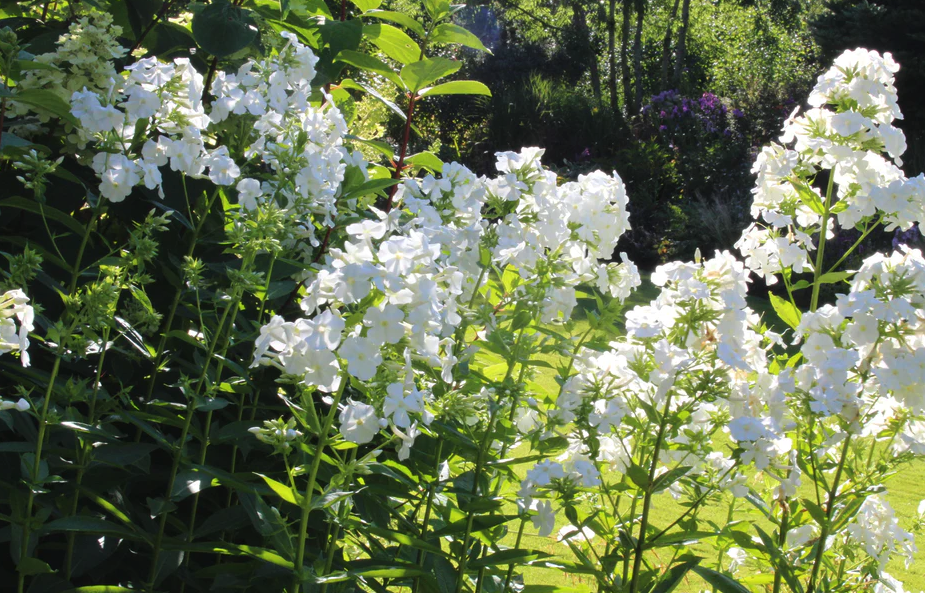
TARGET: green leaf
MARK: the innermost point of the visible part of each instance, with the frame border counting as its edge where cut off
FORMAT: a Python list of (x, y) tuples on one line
[(367, 5), (33, 65), (639, 476), (505, 557), (393, 42), (719, 581), (11, 140), (815, 511), (232, 550), (47, 101), (457, 87), (103, 589), (33, 566), (370, 187), (399, 18), (48, 211), (370, 64), (835, 277), (84, 524), (450, 33), (222, 28), (428, 160), (420, 74), (786, 310), (674, 576), (398, 538), (780, 562), (437, 9), (283, 491), (683, 538), (348, 83), (809, 197), (189, 482), (670, 477)]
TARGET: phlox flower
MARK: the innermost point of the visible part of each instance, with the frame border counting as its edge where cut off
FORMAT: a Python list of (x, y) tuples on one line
[(544, 521), (359, 423), (362, 356)]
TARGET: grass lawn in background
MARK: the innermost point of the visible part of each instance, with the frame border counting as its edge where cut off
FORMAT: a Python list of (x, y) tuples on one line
[(905, 489)]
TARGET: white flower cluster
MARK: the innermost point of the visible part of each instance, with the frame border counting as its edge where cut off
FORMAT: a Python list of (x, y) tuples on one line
[(845, 133), (16, 319), (301, 145), (875, 527), (699, 328), (83, 59), (405, 281)]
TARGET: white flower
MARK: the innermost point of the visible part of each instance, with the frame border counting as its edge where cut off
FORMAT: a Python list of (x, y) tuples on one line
[(545, 518), (384, 324), (362, 356), (359, 423), (248, 192), (737, 557), (14, 307)]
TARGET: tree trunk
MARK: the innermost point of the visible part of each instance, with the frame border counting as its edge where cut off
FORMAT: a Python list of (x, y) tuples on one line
[(624, 57), (666, 46), (580, 20), (637, 55), (612, 56), (682, 43)]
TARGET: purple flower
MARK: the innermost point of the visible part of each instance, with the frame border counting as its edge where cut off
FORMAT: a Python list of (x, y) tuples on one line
[(738, 113)]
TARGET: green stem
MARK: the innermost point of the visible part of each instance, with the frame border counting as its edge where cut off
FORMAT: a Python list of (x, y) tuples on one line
[(335, 535), (432, 491), (43, 415), (83, 454), (36, 467), (171, 312), (178, 453), (696, 504), (867, 230), (310, 487), (510, 567), (647, 497), (479, 464), (829, 512), (781, 540), (820, 252)]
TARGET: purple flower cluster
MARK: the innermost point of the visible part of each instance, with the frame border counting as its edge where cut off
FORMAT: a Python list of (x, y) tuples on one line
[(669, 110)]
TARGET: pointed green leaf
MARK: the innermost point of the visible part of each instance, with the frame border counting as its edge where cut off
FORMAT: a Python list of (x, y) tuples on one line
[(367, 5), (450, 33), (457, 87), (674, 576), (222, 29), (370, 64), (424, 73), (283, 491), (398, 18), (505, 557), (719, 581), (46, 101), (786, 310), (393, 42), (428, 160)]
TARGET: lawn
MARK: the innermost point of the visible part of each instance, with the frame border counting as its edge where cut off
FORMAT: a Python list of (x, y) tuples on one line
[(905, 489)]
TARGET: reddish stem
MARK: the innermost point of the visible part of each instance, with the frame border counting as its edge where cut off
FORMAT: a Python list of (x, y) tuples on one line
[(2, 117), (403, 149), (343, 10)]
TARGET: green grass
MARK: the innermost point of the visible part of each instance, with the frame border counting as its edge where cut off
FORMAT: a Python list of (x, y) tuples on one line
[(905, 489)]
